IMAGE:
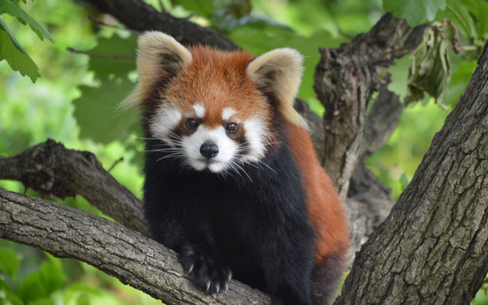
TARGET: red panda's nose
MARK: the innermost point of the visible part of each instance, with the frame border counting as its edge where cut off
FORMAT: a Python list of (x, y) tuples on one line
[(209, 149)]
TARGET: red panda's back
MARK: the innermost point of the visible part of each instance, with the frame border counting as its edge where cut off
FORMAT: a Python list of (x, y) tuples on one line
[(324, 205)]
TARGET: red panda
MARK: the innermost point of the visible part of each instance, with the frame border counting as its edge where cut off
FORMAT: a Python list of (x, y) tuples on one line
[(232, 181)]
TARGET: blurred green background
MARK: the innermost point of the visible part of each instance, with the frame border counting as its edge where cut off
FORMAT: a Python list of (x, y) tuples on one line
[(65, 105)]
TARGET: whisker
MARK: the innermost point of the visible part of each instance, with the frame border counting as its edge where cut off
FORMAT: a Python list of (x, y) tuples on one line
[(234, 168), (163, 150), (173, 156), (267, 166), (243, 171)]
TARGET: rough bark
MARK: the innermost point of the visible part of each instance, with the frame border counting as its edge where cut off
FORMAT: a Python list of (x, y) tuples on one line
[(345, 79), (53, 170), (129, 256), (382, 120), (433, 248)]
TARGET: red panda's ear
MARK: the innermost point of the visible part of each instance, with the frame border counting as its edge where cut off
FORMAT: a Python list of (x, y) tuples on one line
[(159, 56), (279, 72)]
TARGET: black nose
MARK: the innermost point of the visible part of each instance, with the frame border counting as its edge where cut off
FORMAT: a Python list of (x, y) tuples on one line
[(209, 150)]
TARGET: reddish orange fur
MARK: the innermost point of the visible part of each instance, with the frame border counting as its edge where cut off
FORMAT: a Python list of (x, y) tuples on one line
[(324, 205), (217, 79)]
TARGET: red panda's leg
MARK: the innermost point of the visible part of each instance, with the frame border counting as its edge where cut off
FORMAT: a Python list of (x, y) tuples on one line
[(205, 270), (325, 277), (287, 259), (178, 227)]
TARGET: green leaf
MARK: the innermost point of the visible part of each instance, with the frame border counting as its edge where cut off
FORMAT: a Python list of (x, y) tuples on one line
[(431, 69), (96, 111), (115, 56), (13, 9), (32, 288), (41, 283), (404, 181), (3, 284), (479, 9), (45, 301), (14, 299), (17, 58), (399, 76), (414, 11), (203, 8), (9, 263), (458, 12), (52, 275), (459, 81), (83, 300), (80, 294)]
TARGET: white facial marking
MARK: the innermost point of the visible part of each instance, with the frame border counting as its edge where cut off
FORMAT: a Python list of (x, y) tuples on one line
[(199, 110), (164, 121), (256, 137), (227, 113), (227, 149)]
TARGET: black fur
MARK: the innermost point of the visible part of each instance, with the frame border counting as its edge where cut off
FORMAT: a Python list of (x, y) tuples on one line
[(253, 223)]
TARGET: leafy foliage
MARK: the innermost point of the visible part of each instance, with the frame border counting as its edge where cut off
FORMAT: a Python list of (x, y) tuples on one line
[(414, 11), (431, 68), (201, 7), (96, 109), (13, 9), (13, 53), (10, 49)]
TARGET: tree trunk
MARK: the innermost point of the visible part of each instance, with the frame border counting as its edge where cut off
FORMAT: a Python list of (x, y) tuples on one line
[(432, 248)]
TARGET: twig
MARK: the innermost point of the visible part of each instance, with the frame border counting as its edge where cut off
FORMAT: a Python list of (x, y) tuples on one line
[(71, 50), (115, 163)]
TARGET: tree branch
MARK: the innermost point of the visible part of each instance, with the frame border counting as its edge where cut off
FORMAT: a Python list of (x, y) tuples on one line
[(140, 16), (53, 170), (433, 247), (132, 258), (382, 120), (345, 78)]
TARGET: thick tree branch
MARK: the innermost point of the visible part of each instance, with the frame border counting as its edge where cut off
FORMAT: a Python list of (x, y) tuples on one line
[(132, 258), (53, 170), (433, 247), (345, 78), (140, 16)]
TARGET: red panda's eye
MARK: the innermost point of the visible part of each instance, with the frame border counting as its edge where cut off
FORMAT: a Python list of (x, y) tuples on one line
[(231, 127), (192, 123)]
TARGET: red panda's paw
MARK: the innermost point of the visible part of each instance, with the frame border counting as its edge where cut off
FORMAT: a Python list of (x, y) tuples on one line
[(205, 272)]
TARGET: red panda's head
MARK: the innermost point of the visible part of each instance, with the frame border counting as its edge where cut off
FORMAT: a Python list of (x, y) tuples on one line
[(215, 109)]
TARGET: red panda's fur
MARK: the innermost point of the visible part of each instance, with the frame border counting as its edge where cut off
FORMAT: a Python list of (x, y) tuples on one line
[(328, 219), (223, 218)]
